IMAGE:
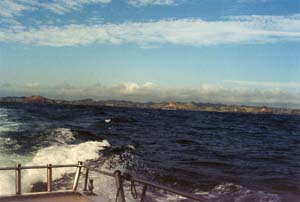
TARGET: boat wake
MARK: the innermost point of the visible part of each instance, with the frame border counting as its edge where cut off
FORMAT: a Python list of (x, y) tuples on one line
[(60, 152)]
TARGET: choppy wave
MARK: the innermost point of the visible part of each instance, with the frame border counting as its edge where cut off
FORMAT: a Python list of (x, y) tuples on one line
[(6, 142), (62, 135), (5, 124), (187, 150), (230, 192), (57, 154)]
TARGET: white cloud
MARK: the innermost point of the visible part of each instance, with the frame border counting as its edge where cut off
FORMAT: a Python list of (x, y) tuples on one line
[(149, 85), (129, 87), (32, 85), (64, 6), (10, 8), (133, 88), (13, 8), (139, 3), (194, 32)]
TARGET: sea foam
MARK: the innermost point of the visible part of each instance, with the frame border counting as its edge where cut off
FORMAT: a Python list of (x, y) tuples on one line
[(57, 154), (62, 135)]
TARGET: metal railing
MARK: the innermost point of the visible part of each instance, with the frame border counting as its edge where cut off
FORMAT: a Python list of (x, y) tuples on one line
[(147, 184), (18, 169), (119, 179)]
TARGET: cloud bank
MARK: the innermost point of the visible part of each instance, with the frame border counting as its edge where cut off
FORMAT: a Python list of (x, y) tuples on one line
[(151, 92), (265, 84), (192, 32)]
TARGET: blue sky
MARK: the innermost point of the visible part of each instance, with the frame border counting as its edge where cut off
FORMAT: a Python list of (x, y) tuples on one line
[(228, 51)]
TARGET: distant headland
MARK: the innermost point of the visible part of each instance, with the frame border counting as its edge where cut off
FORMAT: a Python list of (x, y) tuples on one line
[(191, 106)]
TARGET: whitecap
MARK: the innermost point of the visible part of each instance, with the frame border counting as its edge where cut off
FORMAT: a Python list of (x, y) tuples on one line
[(230, 192), (56, 154), (62, 135), (107, 120)]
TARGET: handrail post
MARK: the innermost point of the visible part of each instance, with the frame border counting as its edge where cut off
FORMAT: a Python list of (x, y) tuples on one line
[(86, 179), (77, 175), (119, 184), (144, 192), (49, 177), (18, 179)]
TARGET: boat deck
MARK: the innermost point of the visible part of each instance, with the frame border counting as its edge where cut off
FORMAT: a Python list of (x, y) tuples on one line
[(72, 195), (54, 197)]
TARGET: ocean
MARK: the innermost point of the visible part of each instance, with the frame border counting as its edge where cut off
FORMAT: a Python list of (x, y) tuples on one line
[(226, 157)]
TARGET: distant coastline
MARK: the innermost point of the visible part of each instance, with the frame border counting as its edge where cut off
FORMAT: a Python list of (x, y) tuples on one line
[(191, 106)]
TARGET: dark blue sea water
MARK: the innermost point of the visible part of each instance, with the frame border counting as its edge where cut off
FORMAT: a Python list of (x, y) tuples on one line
[(225, 156)]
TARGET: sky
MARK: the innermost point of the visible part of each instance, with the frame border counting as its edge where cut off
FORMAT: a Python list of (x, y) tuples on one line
[(218, 51)]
